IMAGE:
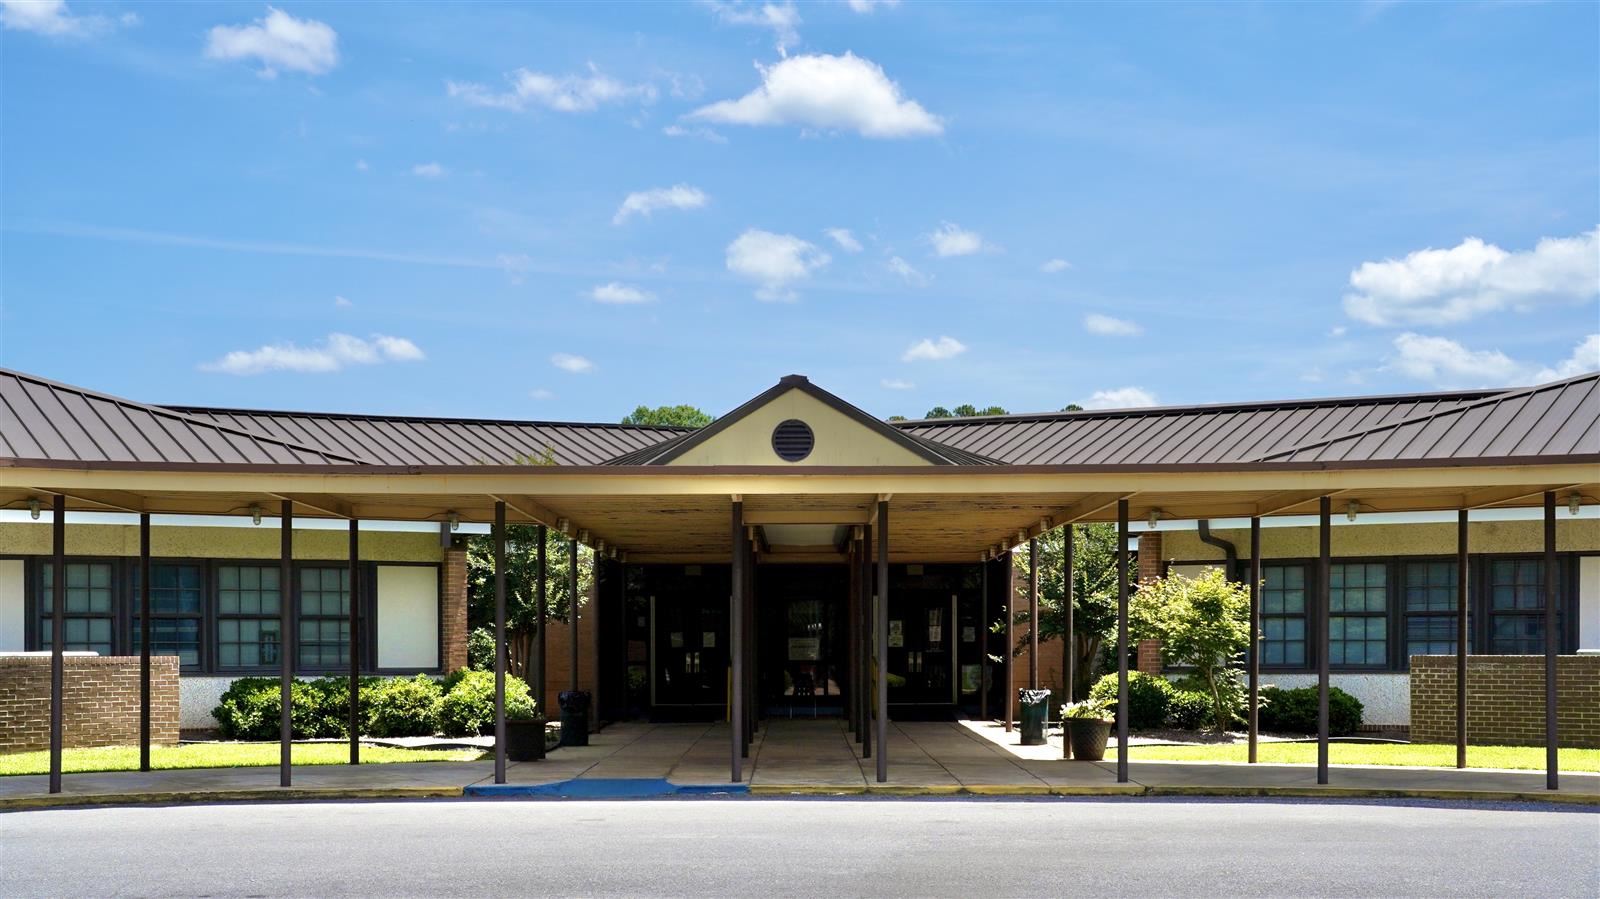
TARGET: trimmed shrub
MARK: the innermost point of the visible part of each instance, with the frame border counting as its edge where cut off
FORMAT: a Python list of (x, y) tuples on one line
[(1190, 710), (1148, 696), (468, 705), (250, 708), (1295, 711), (403, 707), (480, 649)]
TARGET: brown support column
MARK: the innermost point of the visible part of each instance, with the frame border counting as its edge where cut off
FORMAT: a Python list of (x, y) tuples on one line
[(1255, 634), (1069, 636), (736, 641), (286, 641), (1033, 614), (1552, 597), (1461, 638), (883, 641), (1007, 692), (869, 643), (542, 610), (500, 642), (58, 605), (144, 641), (1324, 583), (1122, 641), (594, 702), (572, 612), (983, 640), (851, 706), (355, 641)]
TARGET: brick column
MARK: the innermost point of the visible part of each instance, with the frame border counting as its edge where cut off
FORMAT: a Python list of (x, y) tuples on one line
[(453, 607), (1149, 651)]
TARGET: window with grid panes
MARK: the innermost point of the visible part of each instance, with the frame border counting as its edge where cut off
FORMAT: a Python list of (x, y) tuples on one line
[(1358, 614), (324, 624), (1516, 606), (177, 611), (1430, 608), (1283, 615), (248, 604), (88, 621)]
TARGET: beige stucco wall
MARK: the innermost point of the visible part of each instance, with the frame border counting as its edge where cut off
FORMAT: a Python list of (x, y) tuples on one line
[(408, 616), (840, 440), (31, 538), (1572, 535)]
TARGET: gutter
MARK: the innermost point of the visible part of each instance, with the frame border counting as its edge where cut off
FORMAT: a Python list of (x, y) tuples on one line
[(1230, 553)]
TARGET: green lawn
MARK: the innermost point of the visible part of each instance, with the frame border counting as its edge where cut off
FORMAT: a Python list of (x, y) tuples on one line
[(1434, 754), (221, 755)]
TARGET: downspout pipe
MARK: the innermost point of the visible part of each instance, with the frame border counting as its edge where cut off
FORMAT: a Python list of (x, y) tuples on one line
[(1230, 553)]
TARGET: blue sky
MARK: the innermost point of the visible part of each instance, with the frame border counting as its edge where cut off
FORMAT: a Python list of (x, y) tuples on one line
[(565, 211)]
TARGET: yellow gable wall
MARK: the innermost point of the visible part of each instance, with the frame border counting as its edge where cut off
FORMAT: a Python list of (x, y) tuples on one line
[(840, 440), (1572, 535), (28, 538)]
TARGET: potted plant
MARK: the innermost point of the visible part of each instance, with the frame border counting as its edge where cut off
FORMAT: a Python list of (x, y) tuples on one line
[(1088, 727), (525, 729)]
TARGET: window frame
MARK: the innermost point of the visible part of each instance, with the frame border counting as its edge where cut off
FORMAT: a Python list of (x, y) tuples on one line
[(130, 612), (1386, 614), (38, 613), (1307, 615), (1566, 602), (1403, 586), (214, 601), (341, 620)]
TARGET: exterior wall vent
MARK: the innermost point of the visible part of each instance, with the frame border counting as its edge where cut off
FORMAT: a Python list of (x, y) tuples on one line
[(792, 440)]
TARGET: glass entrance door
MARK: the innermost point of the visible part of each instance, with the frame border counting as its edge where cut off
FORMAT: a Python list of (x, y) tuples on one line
[(802, 640), (922, 648), (690, 658)]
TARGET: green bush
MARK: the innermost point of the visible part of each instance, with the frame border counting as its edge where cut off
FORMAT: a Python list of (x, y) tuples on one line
[(480, 649), (1148, 695), (249, 710), (1295, 711), (1190, 710), (468, 705), (404, 707)]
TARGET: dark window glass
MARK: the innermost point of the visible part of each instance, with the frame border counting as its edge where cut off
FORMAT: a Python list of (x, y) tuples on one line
[(1358, 614), (324, 626), (1430, 591), (1516, 606), (248, 632), (177, 606), (1283, 615), (87, 626)]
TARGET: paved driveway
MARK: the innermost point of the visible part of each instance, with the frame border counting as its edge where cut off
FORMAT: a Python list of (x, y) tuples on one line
[(858, 847)]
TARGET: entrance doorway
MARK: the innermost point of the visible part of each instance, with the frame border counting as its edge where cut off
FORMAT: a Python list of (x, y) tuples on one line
[(688, 639), (802, 642)]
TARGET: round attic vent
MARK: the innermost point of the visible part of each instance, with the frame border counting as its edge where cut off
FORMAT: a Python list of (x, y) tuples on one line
[(792, 440)]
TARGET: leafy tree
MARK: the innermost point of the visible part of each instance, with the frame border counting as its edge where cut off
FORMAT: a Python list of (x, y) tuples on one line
[(1202, 623), (684, 416), (522, 573), (1094, 592), (939, 412), (1072, 407), (897, 418), (965, 410)]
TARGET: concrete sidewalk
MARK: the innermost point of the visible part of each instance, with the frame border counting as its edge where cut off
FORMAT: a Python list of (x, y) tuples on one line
[(794, 758)]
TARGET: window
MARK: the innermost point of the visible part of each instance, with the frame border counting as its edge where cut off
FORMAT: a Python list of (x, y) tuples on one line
[(1430, 610), (324, 630), (1283, 615), (87, 625), (1358, 614), (176, 610), (248, 633), (1516, 606)]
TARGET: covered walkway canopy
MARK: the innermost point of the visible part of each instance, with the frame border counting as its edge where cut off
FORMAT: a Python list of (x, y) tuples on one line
[(803, 475)]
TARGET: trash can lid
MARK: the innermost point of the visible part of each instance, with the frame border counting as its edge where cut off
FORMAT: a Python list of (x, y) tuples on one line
[(574, 700), (1032, 697)]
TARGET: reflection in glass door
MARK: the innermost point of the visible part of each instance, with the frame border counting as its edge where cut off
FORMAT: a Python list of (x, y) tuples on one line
[(690, 658)]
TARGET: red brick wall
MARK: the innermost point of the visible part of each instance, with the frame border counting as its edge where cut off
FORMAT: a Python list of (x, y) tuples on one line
[(1505, 700), (453, 609), (558, 667), (1049, 668), (1147, 657), (100, 702)]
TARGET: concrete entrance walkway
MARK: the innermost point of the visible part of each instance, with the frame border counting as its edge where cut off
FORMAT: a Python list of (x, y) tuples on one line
[(799, 757)]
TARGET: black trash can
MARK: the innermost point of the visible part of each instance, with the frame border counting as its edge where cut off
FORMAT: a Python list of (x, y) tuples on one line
[(1034, 703), (574, 717)]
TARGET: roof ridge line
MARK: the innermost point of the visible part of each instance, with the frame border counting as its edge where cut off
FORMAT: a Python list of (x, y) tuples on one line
[(185, 408)]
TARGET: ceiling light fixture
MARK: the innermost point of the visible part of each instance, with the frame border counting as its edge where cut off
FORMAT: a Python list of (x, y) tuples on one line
[(1352, 510), (454, 519), (1574, 502), (563, 525), (33, 507), (255, 513), (1153, 518)]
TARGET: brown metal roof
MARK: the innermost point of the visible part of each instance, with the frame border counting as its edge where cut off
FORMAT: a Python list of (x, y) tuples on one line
[(416, 441), (1209, 434), (1557, 419), (45, 421)]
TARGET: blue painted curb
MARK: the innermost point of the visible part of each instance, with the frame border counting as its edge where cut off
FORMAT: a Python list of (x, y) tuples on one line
[(608, 788)]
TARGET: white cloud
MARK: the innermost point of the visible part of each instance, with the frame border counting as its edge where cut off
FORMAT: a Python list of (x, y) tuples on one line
[(1585, 358), (1442, 361), (782, 20), (1055, 266), (929, 350), (866, 7), (333, 354), (538, 393), (428, 170), (620, 294), (952, 240), (1338, 331), (844, 239), (695, 131), (278, 41), (515, 265), (342, 302), (896, 384), (1106, 326), (563, 93), (644, 202), (775, 261), (905, 270), (1120, 398), (53, 18), (833, 93), (1473, 278), (567, 362)]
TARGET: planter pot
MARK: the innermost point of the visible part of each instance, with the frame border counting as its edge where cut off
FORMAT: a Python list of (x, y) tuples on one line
[(1087, 737), (525, 740)]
